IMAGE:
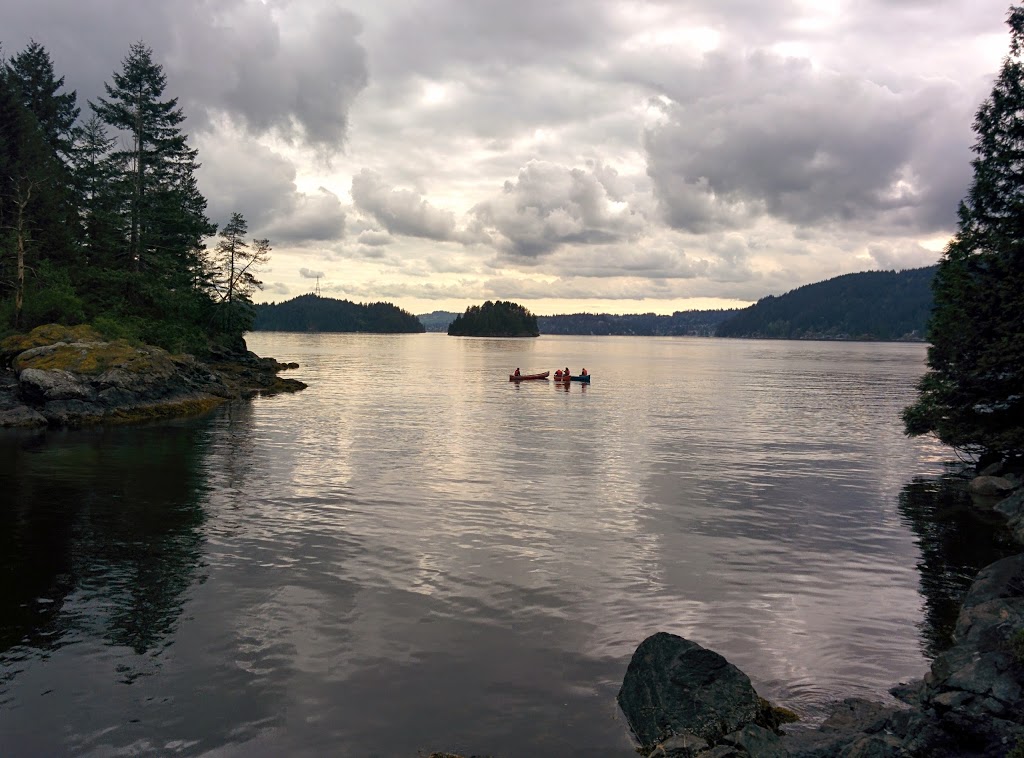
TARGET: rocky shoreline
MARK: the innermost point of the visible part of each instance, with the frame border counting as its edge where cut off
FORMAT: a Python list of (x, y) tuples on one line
[(61, 376), (682, 700)]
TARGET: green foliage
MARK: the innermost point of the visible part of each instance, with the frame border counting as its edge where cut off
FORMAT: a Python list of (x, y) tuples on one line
[(113, 328), (873, 305), (50, 299), (971, 396), (497, 319), (106, 230), (310, 313)]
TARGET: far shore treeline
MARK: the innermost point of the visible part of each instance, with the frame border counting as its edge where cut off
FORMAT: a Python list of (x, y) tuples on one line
[(872, 305), (312, 313), (101, 217)]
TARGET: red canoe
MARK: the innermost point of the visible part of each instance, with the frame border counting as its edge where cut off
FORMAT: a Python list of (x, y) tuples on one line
[(524, 377)]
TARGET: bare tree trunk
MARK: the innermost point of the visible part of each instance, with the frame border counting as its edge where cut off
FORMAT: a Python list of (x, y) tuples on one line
[(24, 195)]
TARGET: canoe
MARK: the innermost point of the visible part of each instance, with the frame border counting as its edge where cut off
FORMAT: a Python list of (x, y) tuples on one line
[(584, 379), (524, 377)]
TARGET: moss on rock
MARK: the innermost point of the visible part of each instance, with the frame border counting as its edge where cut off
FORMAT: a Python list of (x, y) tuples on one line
[(95, 358), (47, 334)]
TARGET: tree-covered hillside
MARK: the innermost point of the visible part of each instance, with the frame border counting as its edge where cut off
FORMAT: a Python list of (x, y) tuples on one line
[(873, 305), (311, 313), (436, 321), (680, 323), (498, 319)]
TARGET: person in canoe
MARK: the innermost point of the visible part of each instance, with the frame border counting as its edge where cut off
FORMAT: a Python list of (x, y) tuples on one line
[(584, 373), (566, 374), (558, 373), (517, 372)]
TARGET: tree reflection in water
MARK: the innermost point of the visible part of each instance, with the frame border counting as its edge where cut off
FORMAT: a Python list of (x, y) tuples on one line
[(99, 535), (956, 541)]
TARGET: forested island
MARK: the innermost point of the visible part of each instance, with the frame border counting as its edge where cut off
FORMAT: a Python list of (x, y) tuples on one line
[(312, 313), (872, 305), (495, 319)]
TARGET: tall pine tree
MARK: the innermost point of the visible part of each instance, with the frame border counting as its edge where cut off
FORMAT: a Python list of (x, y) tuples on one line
[(35, 244), (972, 396), (165, 215)]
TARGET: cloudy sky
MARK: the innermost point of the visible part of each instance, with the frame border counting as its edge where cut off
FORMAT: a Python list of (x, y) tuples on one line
[(600, 155)]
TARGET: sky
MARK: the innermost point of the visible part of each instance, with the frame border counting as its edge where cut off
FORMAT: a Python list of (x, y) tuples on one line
[(579, 155)]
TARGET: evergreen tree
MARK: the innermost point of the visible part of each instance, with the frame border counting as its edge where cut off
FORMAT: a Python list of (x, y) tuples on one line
[(972, 396), (236, 265), (31, 72), (101, 231), (165, 215), (33, 199)]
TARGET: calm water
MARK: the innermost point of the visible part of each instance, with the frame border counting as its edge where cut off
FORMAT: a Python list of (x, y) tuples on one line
[(415, 554)]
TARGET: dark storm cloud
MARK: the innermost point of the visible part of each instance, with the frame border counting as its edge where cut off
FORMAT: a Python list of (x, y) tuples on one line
[(293, 73), (806, 146)]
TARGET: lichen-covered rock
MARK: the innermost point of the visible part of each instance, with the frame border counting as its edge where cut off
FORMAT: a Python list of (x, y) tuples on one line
[(47, 334), (673, 686), (81, 379)]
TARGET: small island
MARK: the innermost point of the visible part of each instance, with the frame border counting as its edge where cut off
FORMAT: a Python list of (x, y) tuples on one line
[(497, 319)]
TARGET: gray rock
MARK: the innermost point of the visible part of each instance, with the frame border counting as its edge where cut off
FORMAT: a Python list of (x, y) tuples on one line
[(723, 751), (1012, 508), (38, 385), (673, 685), (22, 416), (758, 741), (990, 486), (680, 746), (873, 746)]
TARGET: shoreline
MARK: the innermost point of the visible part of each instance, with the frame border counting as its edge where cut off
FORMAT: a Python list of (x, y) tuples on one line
[(59, 376)]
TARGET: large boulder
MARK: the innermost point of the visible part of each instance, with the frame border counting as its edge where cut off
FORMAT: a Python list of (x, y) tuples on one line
[(675, 687)]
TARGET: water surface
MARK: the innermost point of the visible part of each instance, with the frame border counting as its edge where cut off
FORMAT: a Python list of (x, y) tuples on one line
[(415, 554)]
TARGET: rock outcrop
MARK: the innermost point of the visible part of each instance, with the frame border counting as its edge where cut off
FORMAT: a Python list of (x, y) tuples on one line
[(68, 376), (683, 701)]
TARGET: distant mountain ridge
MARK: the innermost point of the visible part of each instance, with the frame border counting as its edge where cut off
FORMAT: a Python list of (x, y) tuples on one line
[(312, 313), (871, 305)]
